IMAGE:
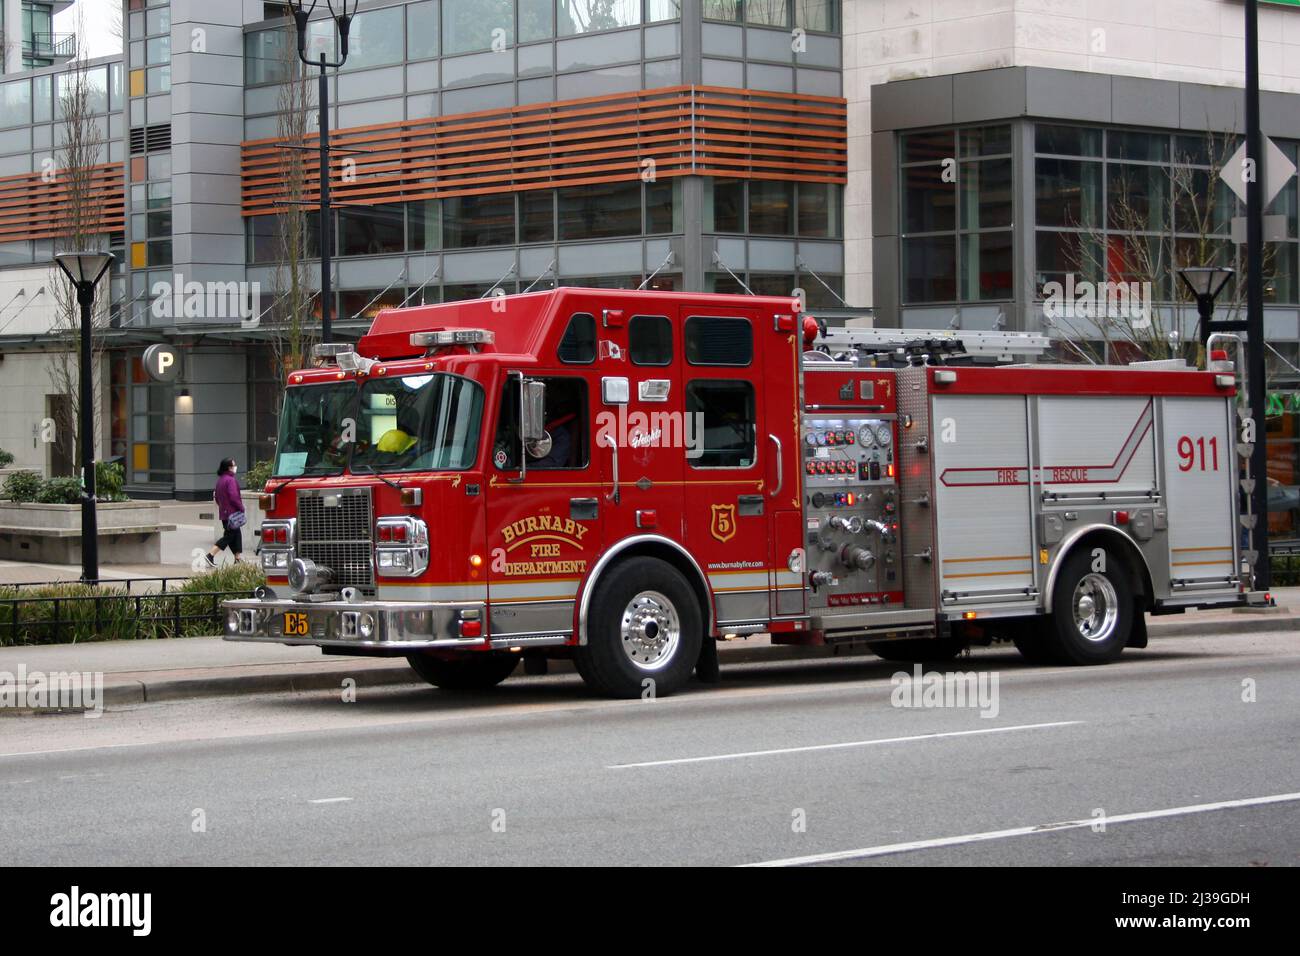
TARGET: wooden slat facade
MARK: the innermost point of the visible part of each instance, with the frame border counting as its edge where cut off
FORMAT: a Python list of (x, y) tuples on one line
[(31, 208), (685, 130)]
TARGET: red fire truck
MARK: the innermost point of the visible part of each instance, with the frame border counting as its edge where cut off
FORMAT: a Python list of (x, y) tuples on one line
[(625, 478)]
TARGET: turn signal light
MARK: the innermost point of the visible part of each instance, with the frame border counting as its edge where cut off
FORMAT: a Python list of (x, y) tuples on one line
[(471, 628)]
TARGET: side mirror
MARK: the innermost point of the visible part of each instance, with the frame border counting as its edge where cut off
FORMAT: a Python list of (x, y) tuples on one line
[(532, 417)]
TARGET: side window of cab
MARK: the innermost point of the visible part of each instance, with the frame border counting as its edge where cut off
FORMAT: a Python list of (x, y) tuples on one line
[(566, 423)]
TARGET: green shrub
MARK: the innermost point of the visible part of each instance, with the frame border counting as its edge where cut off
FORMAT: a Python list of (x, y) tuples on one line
[(60, 491), (255, 478), (6, 458), (109, 479), (57, 618), (22, 486)]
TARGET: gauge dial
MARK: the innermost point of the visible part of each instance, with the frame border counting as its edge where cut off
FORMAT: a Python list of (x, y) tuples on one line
[(883, 435), (866, 436)]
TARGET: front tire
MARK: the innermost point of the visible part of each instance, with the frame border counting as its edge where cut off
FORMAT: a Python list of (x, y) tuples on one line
[(476, 671), (1092, 609), (645, 625)]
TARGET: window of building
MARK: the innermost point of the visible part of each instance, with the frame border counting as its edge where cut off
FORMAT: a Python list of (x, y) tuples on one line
[(472, 27), (375, 39), (600, 210), (536, 20), (727, 411), (578, 347), (537, 215), (663, 206), (724, 208), (424, 225), (650, 340), (728, 10), (565, 414), (659, 10), (719, 341), (819, 210), (957, 214), (371, 230), (818, 16), (422, 30), (1134, 206), (591, 16), (472, 221), (771, 207), (768, 13)]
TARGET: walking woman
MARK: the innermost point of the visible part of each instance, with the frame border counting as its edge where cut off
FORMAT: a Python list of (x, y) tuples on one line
[(230, 508)]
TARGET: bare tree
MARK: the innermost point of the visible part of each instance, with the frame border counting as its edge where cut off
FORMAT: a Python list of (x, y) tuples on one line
[(1134, 255), (77, 160), (291, 324)]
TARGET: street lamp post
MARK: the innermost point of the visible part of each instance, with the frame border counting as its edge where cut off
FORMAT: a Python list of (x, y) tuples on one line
[(84, 270), (1205, 283), (301, 17)]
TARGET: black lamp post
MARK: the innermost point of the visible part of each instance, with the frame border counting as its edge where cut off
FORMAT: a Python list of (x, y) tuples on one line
[(301, 16), (1205, 283), (84, 270)]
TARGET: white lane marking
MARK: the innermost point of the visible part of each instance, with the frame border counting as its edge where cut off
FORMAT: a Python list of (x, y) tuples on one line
[(331, 800), (894, 848), (71, 750), (841, 746)]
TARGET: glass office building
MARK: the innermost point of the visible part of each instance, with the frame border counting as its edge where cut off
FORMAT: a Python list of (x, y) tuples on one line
[(484, 144)]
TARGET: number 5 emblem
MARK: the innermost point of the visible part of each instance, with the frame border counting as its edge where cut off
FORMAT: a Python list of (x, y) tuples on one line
[(724, 522)]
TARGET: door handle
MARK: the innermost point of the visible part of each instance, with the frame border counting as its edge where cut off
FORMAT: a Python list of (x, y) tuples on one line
[(780, 475), (583, 509), (614, 496)]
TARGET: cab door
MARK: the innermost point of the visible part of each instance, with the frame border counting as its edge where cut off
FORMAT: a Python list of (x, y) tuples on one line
[(544, 509), (781, 391), (727, 483), (639, 436)]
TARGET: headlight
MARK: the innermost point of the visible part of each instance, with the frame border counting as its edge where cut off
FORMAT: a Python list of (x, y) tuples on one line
[(366, 626), (232, 622)]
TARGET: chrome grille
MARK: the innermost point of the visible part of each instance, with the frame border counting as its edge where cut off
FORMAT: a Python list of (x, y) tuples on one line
[(334, 529)]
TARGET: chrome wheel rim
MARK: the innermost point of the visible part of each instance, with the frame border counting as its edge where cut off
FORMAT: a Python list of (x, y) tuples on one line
[(650, 630), (1096, 607)]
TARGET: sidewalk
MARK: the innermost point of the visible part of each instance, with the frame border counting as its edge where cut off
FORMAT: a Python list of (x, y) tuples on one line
[(150, 671)]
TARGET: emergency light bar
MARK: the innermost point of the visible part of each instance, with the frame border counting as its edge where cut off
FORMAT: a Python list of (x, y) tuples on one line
[(445, 337)]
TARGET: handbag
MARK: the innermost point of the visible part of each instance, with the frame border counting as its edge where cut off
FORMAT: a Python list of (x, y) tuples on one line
[(236, 520)]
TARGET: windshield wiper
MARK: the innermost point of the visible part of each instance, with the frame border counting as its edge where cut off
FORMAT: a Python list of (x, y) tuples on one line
[(370, 469)]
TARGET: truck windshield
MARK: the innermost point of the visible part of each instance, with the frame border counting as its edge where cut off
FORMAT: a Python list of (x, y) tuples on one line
[(411, 423)]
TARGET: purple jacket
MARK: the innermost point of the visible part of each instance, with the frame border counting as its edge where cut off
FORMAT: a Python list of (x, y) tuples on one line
[(227, 496)]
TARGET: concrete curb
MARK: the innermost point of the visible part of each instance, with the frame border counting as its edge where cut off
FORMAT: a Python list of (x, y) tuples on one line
[(330, 675)]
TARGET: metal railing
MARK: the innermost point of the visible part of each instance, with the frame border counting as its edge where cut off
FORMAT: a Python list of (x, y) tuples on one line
[(123, 613), (53, 45)]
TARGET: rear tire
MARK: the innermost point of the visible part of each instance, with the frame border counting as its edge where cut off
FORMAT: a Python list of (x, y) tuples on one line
[(645, 625), (922, 649), (476, 671), (1092, 609), (1027, 634)]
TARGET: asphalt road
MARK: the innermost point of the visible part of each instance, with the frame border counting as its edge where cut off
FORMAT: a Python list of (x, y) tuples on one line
[(1155, 760)]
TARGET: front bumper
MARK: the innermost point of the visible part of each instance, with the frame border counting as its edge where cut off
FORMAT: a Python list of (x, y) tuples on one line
[(393, 626)]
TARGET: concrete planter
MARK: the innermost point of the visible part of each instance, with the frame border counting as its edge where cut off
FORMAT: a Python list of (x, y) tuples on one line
[(129, 532)]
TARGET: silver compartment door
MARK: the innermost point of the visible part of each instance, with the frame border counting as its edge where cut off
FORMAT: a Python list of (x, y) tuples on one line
[(982, 496), (1200, 465)]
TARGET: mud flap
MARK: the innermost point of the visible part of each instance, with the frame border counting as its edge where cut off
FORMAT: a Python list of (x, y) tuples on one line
[(707, 670), (1137, 634)]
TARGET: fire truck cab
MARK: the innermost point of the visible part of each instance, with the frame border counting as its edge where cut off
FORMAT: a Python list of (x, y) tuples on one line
[(624, 478)]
